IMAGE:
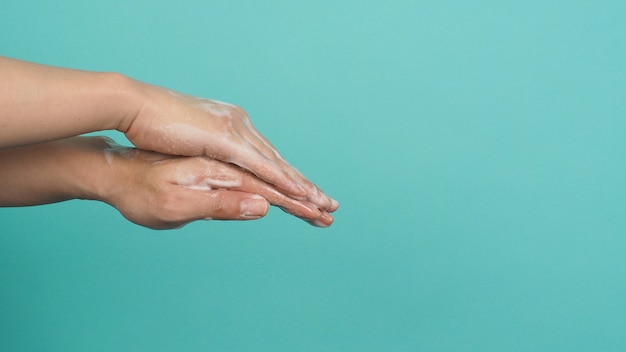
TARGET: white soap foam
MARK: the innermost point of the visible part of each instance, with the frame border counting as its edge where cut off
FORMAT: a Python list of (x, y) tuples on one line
[(113, 149)]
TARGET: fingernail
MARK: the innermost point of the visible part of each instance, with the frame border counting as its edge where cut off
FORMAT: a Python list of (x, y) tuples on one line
[(334, 204), (254, 207)]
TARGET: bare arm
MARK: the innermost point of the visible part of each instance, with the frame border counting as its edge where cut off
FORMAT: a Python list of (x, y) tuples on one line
[(151, 189), (42, 103)]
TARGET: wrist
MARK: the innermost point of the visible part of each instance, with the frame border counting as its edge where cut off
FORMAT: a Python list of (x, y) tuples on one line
[(86, 168), (125, 97)]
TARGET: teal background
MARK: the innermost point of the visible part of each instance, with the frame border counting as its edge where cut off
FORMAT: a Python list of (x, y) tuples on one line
[(477, 149)]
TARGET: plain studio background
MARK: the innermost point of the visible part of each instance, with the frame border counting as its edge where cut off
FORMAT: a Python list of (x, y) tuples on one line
[(477, 149)]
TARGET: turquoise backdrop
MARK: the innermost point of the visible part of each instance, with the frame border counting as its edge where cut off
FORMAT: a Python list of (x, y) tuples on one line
[(477, 148)]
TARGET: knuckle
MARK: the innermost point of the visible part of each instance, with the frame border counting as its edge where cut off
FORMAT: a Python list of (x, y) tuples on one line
[(220, 207), (226, 126), (242, 112), (239, 113)]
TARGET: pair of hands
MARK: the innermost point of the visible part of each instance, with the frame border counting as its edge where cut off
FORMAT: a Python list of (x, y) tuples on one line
[(186, 146), (230, 171)]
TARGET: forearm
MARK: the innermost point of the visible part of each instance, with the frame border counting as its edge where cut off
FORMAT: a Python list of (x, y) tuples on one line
[(40, 103), (53, 172)]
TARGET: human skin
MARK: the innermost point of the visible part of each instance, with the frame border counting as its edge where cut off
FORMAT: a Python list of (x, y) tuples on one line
[(151, 189), (41, 103)]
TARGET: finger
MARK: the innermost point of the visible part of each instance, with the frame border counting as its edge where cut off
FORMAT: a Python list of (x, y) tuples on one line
[(325, 221), (265, 169), (215, 174), (198, 204), (252, 134), (259, 148), (302, 209), (242, 180), (209, 174), (313, 193), (248, 133)]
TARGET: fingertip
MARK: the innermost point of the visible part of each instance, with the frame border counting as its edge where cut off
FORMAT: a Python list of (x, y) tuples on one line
[(319, 198), (334, 205), (324, 221), (327, 219)]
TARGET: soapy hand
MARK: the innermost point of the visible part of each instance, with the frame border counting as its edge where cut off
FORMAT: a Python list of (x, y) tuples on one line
[(177, 124), (164, 191)]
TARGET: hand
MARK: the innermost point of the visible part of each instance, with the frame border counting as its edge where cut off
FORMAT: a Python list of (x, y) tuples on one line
[(176, 124), (163, 191)]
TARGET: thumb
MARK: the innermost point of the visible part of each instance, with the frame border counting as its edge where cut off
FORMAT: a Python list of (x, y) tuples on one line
[(224, 205)]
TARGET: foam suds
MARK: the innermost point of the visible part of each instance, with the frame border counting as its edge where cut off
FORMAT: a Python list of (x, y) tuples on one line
[(224, 183), (211, 184), (115, 149), (179, 135), (217, 108), (208, 179)]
